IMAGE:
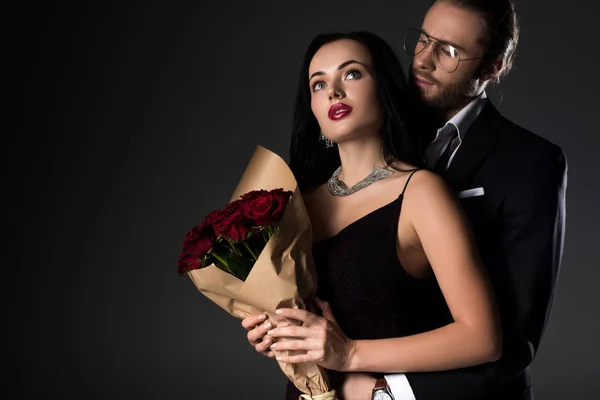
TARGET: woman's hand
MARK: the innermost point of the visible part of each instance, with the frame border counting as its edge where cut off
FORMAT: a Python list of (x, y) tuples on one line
[(257, 326), (320, 338)]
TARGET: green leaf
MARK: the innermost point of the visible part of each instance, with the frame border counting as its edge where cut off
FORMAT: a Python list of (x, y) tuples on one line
[(238, 265), (258, 243)]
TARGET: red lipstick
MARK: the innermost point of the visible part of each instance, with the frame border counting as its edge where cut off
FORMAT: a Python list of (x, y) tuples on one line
[(339, 110)]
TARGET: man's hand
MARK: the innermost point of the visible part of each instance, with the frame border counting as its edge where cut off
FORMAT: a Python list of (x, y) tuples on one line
[(354, 386)]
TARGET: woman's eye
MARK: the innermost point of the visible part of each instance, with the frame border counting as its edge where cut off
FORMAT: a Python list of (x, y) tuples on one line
[(353, 75), (318, 85)]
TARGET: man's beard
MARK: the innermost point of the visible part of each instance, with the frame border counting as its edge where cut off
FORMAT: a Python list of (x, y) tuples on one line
[(449, 96)]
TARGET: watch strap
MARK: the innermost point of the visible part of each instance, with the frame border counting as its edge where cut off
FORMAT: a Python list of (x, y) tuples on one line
[(380, 384)]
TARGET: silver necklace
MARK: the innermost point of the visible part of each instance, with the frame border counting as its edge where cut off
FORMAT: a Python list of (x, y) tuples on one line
[(339, 188)]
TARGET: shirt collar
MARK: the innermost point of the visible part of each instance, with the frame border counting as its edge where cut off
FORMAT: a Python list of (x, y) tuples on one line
[(463, 120)]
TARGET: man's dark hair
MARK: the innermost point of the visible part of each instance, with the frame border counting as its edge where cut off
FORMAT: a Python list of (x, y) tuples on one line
[(500, 18)]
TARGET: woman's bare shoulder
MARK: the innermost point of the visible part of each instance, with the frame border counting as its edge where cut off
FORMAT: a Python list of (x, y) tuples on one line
[(427, 187)]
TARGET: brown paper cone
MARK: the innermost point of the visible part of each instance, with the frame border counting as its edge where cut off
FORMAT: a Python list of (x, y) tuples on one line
[(284, 274)]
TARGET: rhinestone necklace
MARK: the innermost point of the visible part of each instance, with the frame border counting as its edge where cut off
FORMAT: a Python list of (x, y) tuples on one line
[(339, 188)]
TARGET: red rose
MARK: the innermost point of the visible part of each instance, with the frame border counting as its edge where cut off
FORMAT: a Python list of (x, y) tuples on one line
[(188, 262), (238, 231), (254, 194), (213, 217), (265, 207), (230, 222), (197, 243)]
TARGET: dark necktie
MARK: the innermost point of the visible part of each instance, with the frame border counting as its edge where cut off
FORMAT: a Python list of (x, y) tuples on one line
[(442, 162)]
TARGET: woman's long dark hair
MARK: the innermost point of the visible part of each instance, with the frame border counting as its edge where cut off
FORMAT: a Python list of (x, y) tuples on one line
[(311, 162)]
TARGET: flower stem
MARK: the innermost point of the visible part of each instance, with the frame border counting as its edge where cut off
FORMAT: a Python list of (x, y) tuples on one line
[(234, 249), (221, 260), (250, 250)]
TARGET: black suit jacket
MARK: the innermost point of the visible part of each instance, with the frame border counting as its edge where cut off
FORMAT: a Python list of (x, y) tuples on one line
[(519, 224)]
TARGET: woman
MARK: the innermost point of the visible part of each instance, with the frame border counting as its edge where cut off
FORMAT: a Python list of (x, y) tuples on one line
[(393, 259)]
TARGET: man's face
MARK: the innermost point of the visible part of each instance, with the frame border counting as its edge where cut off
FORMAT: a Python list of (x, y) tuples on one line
[(464, 30)]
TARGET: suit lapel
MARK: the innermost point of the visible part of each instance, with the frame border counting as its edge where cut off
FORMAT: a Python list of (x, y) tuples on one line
[(480, 139)]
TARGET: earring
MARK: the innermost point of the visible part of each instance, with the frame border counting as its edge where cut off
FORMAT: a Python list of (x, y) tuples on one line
[(328, 143)]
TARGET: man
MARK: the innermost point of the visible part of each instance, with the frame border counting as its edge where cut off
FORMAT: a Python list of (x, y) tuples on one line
[(511, 183)]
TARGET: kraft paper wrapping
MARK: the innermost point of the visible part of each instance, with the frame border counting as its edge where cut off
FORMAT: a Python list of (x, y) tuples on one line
[(284, 274)]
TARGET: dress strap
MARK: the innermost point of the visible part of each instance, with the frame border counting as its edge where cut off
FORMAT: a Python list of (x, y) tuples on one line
[(408, 180)]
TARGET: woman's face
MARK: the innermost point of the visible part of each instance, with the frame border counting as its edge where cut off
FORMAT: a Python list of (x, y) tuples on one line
[(343, 91)]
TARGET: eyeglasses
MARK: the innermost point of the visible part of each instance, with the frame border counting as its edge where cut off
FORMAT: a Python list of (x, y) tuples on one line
[(445, 56)]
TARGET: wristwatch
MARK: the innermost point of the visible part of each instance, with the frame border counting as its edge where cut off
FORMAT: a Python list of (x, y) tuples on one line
[(381, 391)]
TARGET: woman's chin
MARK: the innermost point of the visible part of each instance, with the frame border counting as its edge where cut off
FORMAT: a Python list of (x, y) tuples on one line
[(353, 136)]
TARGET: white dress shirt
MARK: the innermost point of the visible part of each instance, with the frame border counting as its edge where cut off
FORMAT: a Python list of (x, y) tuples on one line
[(462, 122), (398, 383)]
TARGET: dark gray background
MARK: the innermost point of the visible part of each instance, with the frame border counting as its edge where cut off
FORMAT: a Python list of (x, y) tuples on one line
[(140, 119)]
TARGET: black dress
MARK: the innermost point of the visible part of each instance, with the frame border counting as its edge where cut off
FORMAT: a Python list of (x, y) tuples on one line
[(370, 293)]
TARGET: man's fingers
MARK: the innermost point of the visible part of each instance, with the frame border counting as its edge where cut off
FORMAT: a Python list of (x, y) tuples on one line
[(250, 322)]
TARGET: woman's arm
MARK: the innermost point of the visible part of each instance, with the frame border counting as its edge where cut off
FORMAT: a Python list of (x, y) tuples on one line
[(473, 338)]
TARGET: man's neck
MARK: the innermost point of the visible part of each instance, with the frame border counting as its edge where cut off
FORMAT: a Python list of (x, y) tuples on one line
[(444, 115), (428, 121)]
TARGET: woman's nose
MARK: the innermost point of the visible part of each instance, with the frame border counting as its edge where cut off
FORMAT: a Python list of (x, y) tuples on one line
[(336, 92)]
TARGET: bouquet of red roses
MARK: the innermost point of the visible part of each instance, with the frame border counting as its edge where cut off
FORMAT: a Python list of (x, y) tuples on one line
[(254, 255), (232, 237)]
